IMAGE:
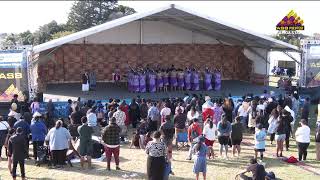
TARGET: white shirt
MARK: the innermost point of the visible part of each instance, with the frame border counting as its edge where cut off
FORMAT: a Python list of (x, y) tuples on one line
[(243, 112), (4, 125), (179, 107), (303, 134), (165, 112), (92, 119), (120, 117), (210, 133), (195, 115)]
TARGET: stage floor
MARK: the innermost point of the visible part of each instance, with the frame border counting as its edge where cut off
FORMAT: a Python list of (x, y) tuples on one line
[(104, 91)]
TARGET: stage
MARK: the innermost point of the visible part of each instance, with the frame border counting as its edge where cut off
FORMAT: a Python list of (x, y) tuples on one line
[(104, 91)]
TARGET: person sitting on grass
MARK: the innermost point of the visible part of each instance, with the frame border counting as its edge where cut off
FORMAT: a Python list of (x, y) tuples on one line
[(257, 170), (135, 141), (260, 143)]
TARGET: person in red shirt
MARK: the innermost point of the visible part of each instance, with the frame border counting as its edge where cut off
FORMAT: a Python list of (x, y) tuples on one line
[(194, 132), (208, 113)]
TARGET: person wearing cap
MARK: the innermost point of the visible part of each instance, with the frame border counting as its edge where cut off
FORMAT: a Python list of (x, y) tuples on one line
[(18, 152), (303, 139), (200, 161), (38, 131)]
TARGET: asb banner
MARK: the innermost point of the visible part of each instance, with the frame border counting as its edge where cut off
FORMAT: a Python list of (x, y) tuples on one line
[(13, 74), (313, 65)]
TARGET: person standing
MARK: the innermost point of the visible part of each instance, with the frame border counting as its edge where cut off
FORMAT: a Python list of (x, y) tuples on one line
[(50, 109), (179, 121), (317, 138), (35, 105), (273, 119), (200, 162), (305, 109), (120, 119), (227, 109), (288, 119), (166, 111), (156, 161), (134, 113), (4, 128), (153, 117), (86, 144), (194, 132), (59, 140), (303, 139), (280, 135), (209, 132), (143, 109), (111, 139), (167, 131), (18, 152), (260, 143), (236, 135), (224, 130), (85, 82), (38, 132), (93, 121), (25, 131)]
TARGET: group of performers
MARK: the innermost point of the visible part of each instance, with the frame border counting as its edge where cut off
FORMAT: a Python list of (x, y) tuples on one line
[(162, 80)]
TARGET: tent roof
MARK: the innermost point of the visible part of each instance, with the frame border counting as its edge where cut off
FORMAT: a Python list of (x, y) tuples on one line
[(180, 16)]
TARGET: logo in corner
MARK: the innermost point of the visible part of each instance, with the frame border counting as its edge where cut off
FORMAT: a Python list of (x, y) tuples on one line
[(291, 22)]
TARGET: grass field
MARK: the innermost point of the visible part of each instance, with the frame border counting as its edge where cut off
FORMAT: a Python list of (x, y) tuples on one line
[(133, 164)]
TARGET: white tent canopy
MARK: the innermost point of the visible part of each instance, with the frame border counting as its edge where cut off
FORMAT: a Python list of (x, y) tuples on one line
[(184, 18)]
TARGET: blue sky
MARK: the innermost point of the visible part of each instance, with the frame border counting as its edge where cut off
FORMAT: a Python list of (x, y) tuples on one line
[(261, 17)]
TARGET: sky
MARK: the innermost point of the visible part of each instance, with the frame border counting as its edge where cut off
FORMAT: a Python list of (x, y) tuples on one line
[(260, 17)]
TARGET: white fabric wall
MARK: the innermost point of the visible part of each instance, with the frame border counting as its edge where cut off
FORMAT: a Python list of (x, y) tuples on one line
[(153, 32), (259, 64)]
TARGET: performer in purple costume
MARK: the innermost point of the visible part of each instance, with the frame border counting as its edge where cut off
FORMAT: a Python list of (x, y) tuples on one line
[(159, 81), (130, 81), (207, 80), (136, 82), (142, 82), (173, 80), (180, 80), (196, 81), (165, 77), (152, 82), (217, 75), (187, 79)]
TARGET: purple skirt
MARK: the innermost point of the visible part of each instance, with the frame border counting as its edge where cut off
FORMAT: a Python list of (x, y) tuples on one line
[(159, 83), (195, 87), (207, 85), (180, 82), (165, 81), (173, 82)]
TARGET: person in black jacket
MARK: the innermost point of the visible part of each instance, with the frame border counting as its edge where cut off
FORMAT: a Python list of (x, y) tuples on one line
[(287, 120), (18, 152)]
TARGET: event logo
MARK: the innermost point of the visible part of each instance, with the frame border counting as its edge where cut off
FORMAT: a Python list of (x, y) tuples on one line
[(9, 92), (290, 23), (10, 75)]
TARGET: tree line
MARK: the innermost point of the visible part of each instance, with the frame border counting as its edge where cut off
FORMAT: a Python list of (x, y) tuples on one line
[(82, 15)]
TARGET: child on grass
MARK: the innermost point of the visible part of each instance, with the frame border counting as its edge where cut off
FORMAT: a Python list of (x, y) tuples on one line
[(260, 143), (200, 162)]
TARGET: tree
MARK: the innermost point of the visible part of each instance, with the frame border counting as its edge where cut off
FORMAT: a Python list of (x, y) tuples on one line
[(60, 34), (26, 38), (293, 39), (10, 40), (44, 33), (85, 14)]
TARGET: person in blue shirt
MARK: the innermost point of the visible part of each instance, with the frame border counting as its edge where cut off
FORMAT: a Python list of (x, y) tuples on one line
[(38, 131), (260, 142), (25, 131)]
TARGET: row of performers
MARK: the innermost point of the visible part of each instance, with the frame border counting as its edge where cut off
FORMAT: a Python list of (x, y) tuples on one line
[(153, 81)]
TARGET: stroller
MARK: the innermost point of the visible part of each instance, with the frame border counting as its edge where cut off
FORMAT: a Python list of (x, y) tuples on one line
[(43, 156)]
